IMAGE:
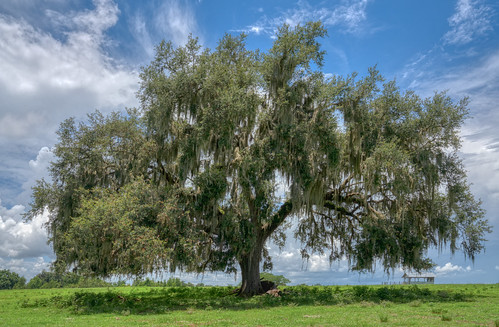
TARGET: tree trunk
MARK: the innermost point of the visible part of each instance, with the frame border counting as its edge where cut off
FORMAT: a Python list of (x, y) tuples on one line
[(250, 270), (250, 262)]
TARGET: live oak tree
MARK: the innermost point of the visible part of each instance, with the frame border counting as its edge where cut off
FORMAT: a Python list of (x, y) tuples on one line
[(231, 145)]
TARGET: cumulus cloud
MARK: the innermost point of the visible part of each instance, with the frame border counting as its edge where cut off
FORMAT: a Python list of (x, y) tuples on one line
[(287, 255), (13, 214), (67, 76), (48, 74), (471, 19), (47, 78), (350, 15), (318, 263), (288, 262), (23, 244), (449, 268), (20, 239), (33, 58), (43, 158), (38, 169), (26, 267)]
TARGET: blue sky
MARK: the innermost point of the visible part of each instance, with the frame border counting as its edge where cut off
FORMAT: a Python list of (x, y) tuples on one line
[(63, 58)]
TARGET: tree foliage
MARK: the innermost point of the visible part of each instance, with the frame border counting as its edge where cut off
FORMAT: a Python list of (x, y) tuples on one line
[(53, 279), (171, 282), (104, 152), (10, 280), (278, 280), (231, 145)]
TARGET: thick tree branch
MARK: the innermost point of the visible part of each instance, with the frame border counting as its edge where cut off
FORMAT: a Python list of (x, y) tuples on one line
[(278, 218)]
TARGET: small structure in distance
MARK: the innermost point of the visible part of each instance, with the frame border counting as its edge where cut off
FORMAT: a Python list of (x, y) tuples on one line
[(423, 278)]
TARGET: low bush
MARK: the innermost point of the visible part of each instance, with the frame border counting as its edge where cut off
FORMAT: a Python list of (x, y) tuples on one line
[(157, 300)]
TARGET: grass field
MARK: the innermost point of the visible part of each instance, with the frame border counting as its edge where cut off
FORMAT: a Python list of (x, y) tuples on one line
[(428, 305)]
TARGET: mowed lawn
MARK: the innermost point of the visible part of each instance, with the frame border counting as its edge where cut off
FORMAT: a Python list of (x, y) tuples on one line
[(425, 305)]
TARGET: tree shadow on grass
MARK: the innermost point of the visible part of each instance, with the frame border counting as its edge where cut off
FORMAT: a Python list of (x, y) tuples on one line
[(168, 299)]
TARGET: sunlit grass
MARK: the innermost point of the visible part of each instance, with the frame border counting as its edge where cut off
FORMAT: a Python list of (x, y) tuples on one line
[(432, 305)]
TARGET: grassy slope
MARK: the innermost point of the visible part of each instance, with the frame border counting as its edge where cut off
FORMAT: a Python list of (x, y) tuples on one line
[(477, 305)]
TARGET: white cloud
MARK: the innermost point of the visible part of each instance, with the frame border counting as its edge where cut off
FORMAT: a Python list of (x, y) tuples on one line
[(480, 135), (13, 214), (12, 125), (318, 263), (350, 15), (480, 149), (256, 29), (497, 267), (141, 34), (38, 169), (471, 19), (23, 244), (27, 268), (449, 268), (290, 260), (45, 79), (174, 20), (42, 160), (478, 79), (20, 239), (93, 22)]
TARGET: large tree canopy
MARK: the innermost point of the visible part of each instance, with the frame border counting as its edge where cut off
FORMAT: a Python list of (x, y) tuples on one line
[(231, 145)]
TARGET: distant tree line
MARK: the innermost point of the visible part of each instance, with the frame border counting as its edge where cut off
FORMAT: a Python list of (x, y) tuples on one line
[(171, 282), (51, 279), (10, 280)]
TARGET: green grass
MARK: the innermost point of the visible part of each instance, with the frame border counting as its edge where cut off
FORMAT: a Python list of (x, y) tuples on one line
[(429, 305)]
